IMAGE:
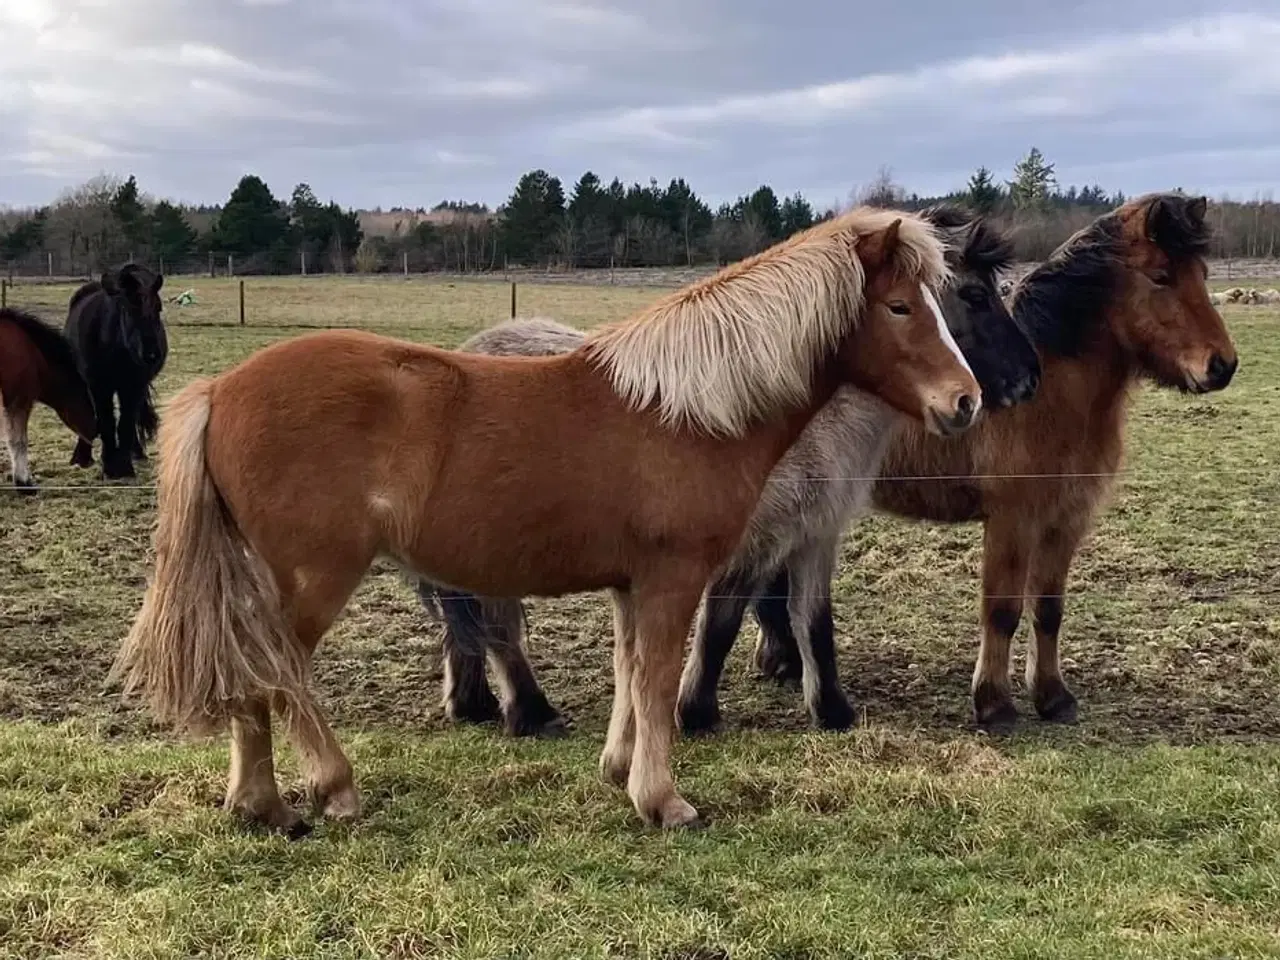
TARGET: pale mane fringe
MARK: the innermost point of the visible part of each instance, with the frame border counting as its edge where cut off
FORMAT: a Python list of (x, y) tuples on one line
[(744, 344)]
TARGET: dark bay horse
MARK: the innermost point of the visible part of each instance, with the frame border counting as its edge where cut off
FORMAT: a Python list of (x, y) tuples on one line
[(631, 464), (787, 561), (1122, 301), (116, 329), (37, 365)]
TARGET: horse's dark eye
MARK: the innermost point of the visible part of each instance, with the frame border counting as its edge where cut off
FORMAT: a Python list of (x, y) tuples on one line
[(900, 308), (1162, 278)]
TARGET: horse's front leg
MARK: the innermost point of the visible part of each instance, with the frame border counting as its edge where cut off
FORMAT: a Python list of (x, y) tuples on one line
[(810, 570), (1047, 584), (114, 465), (663, 611), (15, 429), (128, 442), (1005, 551)]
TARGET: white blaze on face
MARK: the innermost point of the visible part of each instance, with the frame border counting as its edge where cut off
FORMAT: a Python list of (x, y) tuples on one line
[(943, 330)]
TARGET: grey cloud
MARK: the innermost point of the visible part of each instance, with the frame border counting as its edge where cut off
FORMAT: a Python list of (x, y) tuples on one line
[(396, 101)]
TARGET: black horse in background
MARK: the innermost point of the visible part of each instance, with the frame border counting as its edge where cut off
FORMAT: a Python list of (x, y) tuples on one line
[(118, 335)]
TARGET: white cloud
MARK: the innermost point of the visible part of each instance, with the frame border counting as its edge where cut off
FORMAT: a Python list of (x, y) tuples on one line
[(1079, 81)]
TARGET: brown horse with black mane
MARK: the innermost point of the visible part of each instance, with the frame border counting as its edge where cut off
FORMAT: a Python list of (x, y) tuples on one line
[(37, 365), (631, 464), (1121, 301)]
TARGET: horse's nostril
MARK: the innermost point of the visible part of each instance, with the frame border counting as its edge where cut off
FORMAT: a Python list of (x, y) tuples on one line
[(1221, 370)]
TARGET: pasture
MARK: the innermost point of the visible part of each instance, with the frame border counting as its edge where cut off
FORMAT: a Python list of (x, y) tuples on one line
[(1151, 828)]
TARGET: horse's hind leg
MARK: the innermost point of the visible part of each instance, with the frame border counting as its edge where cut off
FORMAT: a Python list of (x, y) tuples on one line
[(466, 696), (777, 654), (317, 599), (810, 570), (1047, 583), (251, 787), (525, 707), (619, 742), (480, 626), (717, 628), (15, 428)]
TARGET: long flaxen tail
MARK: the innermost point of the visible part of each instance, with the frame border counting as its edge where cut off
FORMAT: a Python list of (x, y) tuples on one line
[(212, 636)]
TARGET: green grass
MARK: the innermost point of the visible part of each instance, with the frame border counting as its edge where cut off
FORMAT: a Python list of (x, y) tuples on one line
[(1151, 829)]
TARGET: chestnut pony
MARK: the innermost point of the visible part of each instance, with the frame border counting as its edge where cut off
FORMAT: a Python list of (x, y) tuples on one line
[(37, 365), (631, 464), (1121, 301)]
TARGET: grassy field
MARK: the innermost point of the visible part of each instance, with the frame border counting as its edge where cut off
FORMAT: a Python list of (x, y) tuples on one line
[(1151, 829)]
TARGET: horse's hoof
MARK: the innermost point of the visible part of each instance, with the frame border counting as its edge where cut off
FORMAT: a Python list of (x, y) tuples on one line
[(774, 664), (542, 720), (26, 488), (119, 471), (482, 708), (993, 711), (615, 769), (342, 804), (81, 461), (675, 813), (1056, 704), (700, 716), (277, 817), (834, 712)]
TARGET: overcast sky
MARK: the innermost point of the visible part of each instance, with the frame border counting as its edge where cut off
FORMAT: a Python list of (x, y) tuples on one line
[(408, 102)]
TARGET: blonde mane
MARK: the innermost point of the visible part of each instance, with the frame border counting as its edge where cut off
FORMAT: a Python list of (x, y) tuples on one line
[(744, 343)]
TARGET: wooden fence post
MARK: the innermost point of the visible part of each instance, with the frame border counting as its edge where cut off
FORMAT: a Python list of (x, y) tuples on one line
[(231, 267), (404, 263), (513, 299), (210, 263), (4, 292), (242, 303)]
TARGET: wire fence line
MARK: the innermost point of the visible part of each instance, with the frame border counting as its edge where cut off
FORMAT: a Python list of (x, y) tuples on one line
[(1268, 470)]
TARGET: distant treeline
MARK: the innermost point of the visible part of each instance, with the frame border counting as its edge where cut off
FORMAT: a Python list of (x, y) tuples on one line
[(109, 220)]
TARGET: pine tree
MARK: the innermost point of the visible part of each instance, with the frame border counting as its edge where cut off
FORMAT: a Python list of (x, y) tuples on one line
[(983, 192), (1033, 183)]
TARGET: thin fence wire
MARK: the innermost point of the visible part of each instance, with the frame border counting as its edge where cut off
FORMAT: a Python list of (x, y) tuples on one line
[(1129, 475)]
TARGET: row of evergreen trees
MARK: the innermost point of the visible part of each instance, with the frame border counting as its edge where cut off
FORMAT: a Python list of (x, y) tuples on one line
[(593, 224)]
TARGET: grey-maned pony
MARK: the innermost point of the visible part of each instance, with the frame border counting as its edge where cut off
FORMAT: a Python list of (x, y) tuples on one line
[(785, 564)]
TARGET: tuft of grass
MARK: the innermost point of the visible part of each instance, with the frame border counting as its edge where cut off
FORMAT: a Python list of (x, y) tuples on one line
[(1149, 830)]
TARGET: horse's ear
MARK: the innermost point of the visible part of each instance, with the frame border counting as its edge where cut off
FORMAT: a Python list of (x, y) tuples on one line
[(890, 244), (157, 283), (880, 246), (109, 283), (1197, 207), (1157, 217)]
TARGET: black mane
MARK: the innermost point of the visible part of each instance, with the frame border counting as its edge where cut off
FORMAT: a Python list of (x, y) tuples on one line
[(985, 250), (48, 340), (1062, 300)]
